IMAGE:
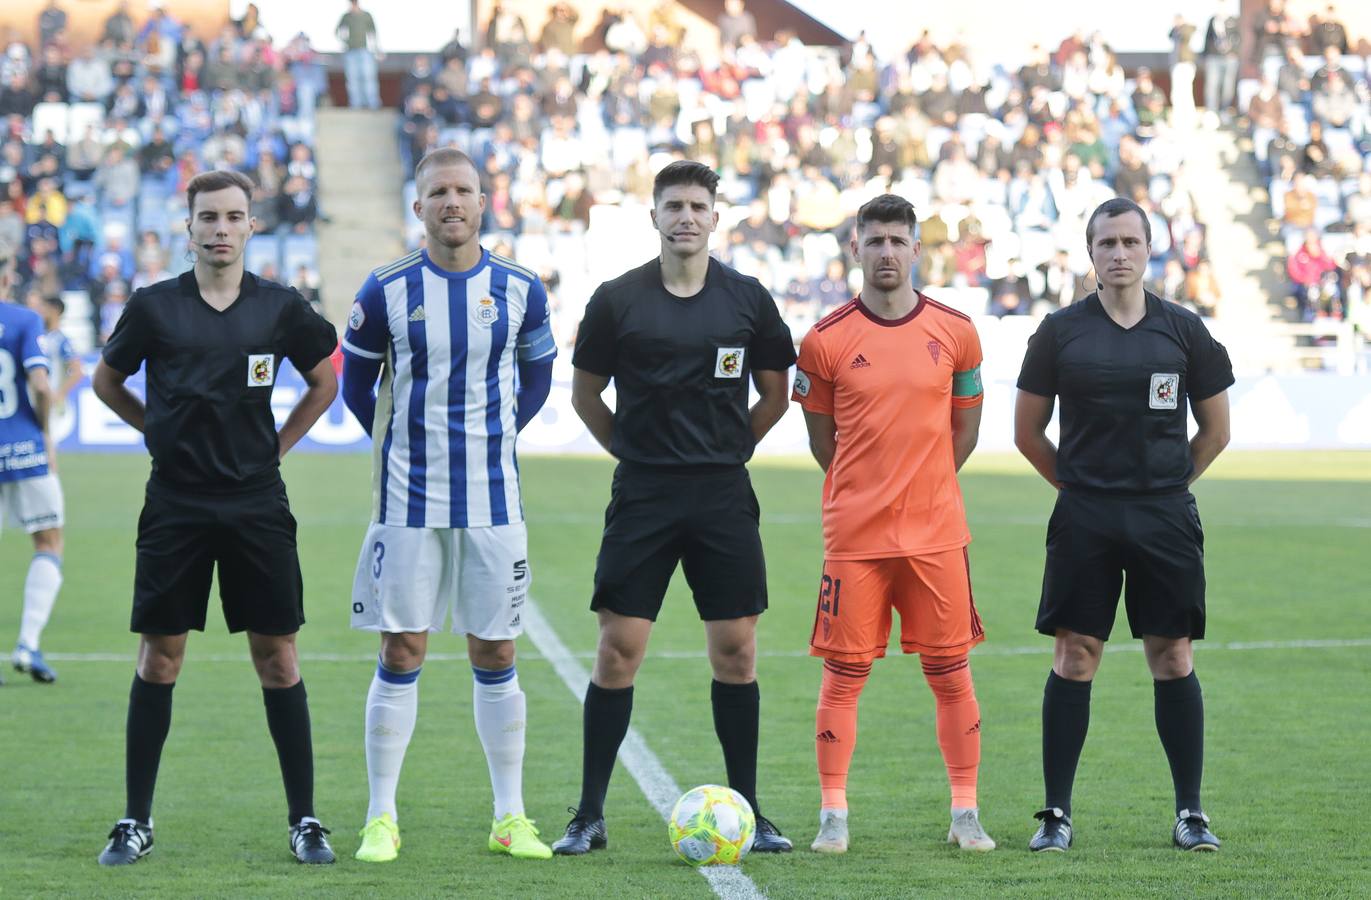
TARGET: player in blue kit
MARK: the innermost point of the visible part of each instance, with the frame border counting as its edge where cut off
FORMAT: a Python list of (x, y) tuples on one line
[(30, 495), (446, 328)]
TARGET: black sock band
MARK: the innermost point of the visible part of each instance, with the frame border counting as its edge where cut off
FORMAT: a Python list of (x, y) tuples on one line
[(288, 721), (605, 722), (1179, 706), (737, 710), (149, 720), (1066, 718)]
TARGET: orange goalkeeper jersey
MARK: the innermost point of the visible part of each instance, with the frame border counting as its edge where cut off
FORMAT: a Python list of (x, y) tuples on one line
[(890, 386)]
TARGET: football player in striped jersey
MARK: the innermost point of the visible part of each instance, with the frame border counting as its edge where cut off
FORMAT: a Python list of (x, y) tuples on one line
[(446, 328)]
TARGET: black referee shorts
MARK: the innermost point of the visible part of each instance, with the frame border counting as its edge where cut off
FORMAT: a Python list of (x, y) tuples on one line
[(1096, 543), (250, 536), (704, 519)]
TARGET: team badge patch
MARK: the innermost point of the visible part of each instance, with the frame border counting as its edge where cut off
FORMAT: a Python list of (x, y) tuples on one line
[(261, 370), (1164, 391), (486, 311), (801, 383), (729, 363), (357, 317), (935, 350)]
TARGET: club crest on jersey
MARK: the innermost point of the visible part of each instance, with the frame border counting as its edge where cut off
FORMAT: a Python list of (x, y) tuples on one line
[(935, 350), (801, 383), (486, 311), (357, 317), (261, 370), (729, 363), (1164, 391)]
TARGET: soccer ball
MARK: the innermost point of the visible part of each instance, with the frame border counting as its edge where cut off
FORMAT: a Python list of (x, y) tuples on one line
[(712, 825)]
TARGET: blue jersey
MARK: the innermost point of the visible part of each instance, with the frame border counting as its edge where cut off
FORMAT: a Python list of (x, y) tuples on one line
[(22, 452), (444, 430)]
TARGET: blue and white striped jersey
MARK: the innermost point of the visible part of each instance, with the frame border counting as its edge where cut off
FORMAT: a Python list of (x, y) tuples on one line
[(22, 452), (57, 347), (444, 430)]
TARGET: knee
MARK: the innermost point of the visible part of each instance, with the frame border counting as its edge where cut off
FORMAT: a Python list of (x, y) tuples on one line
[(48, 541), (735, 665), (401, 656), (1170, 663), (157, 666), (1077, 659), (278, 670), (616, 662), (492, 655)]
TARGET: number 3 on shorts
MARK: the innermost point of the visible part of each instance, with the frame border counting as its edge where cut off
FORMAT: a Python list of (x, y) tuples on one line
[(378, 550)]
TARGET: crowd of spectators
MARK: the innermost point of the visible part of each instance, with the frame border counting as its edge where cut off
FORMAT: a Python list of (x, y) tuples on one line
[(1002, 163), (1310, 124), (99, 141)]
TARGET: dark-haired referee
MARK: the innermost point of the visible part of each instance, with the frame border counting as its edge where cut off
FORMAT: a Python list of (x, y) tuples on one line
[(212, 340), (681, 336), (1126, 364)]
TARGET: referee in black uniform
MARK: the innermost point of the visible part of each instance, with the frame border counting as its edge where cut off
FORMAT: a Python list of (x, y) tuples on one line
[(1125, 364), (212, 340), (681, 337)]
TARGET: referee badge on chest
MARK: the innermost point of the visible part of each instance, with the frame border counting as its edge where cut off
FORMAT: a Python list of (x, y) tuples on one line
[(487, 313), (1165, 388), (729, 362), (261, 369)]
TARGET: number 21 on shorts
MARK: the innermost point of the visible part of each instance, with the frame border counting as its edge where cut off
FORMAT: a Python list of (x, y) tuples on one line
[(830, 591)]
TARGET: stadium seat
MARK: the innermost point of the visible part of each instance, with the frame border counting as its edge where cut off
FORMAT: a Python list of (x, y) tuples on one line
[(263, 250), (298, 250)]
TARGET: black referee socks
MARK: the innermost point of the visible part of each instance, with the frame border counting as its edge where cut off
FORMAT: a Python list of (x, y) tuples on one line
[(737, 710), (288, 721), (1066, 718), (606, 716), (149, 721), (1179, 706)]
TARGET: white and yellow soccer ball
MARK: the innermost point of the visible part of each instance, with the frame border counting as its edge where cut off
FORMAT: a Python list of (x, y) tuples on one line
[(712, 825)]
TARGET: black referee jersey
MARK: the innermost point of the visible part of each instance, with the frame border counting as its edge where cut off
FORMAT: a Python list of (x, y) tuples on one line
[(209, 425), (1123, 392), (681, 365)]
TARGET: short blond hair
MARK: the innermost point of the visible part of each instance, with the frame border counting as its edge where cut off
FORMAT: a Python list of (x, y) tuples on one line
[(444, 156)]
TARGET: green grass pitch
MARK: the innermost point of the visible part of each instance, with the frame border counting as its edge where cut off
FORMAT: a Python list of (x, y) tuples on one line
[(1287, 759)]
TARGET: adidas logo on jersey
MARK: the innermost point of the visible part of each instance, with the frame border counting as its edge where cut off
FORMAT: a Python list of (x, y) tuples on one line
[(859, 362), (417, 315)]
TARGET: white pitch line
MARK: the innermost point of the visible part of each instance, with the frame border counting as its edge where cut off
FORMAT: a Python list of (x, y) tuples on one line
[(983, 650), (654, 781)]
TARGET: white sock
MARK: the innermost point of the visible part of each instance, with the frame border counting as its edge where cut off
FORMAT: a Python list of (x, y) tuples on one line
[(40, 593), (501, 713), (392, 706)]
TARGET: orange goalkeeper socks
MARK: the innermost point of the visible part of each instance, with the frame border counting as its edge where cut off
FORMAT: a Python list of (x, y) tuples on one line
[(835, 732), (959, 724)]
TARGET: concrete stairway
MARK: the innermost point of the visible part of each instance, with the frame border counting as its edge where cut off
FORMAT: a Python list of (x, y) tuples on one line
[(1230, 199), (1222, 176), (359, 185)]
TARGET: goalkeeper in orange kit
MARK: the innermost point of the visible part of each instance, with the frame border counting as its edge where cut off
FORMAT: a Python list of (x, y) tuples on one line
[(891, 391)]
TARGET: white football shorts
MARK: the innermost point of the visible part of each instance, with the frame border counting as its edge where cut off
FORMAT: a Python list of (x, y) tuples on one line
[(33, 504), (409, 578)]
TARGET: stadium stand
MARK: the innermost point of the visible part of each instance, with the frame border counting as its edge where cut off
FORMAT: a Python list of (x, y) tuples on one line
[(1310, 130), (100, 140), (1002, 164)]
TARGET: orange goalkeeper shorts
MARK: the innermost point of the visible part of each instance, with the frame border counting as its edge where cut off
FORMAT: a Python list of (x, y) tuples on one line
[(932, 594)]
